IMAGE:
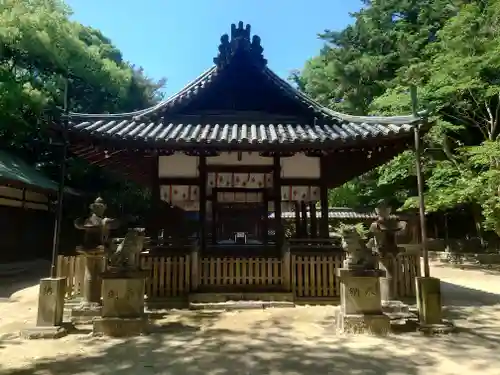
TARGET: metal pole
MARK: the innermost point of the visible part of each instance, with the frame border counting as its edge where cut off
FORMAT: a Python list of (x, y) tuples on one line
[(420, 183), (60, 193)]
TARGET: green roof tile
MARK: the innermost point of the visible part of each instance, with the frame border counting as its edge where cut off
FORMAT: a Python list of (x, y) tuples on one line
[(16, 170)]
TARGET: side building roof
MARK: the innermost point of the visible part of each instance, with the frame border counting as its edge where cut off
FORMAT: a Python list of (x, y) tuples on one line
[(16, 172)]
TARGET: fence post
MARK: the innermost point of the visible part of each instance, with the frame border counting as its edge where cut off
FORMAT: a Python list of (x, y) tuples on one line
[(286, 266), (195, 276)]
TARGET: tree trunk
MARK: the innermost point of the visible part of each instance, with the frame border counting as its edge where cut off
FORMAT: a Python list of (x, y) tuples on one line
[(476, 215)]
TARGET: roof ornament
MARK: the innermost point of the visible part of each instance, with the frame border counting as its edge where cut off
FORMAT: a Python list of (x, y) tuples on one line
[(239, 42)]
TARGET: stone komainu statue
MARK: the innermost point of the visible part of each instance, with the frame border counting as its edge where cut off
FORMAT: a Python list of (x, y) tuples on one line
[(125, 256), (358, 255)]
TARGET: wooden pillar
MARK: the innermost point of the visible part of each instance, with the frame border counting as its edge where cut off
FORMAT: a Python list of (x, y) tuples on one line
[(303, 211), (313, 220), (324, 231), (286, 275), (202, 170), (21, 238), (277, 200), (155, 197), (265, 227), (214, 217), (323, 225), (297, 220)]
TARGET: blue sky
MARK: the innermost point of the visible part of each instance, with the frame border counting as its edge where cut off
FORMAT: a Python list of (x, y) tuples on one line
[(179, 39)]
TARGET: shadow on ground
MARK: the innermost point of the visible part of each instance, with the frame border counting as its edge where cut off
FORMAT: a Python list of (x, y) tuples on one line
[(460, 300), (217, 351), (13, 283), (491, 269), (272, 346), (187, 342)]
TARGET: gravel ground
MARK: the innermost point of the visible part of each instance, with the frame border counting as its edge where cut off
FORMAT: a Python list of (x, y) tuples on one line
[(271, 341)]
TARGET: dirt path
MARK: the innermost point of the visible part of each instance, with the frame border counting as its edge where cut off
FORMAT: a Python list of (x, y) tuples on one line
[(272, 341)]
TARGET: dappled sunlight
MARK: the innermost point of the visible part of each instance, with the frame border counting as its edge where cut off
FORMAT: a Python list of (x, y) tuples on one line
[(271, 341), (299, 340), (219, 351)]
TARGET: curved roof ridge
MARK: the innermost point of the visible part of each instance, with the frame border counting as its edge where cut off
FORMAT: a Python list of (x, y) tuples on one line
[(397, 120), (170, 99), (293, 91), (149, 110)]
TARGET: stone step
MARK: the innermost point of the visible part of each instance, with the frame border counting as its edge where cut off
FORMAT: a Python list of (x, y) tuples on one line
[(390, 307), (209, 297), (239, 305), (400, 316)]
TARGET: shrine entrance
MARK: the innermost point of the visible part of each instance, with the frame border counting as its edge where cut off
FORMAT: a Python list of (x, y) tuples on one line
[(240, 223)]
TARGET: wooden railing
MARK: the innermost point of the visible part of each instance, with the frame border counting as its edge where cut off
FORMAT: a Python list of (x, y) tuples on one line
[(168, 276), (306, 274), (73, 268), (314, 276), (240, 272), (407, 268)]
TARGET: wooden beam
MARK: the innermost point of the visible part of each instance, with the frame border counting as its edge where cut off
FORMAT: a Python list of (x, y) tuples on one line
[(202, 170), (324, 230), (298, 227), (303, 212), (265, 214), (155, 198), (313, 220), (277, 201), (107, 156), (359, 161), (122, 159), (300, 182), (180, 181), (239, 168)]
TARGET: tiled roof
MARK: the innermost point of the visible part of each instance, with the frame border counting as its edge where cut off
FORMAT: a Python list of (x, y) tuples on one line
[(16, 170), (159, 133), (156, 125)]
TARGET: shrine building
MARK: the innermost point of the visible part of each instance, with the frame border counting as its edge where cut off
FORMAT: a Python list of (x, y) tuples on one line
[(239, 145)]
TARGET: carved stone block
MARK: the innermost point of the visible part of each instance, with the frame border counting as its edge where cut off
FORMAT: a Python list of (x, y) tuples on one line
[(123, 297), (51, 302), (360, 295), (360, 303), (122, 305)]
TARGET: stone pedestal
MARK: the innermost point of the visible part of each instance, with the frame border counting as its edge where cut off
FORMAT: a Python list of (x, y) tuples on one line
[(90, 308), (360, 302), (50, 310), (122, 304), (429, 306), (429, 300), (391, 306), (386, 263)]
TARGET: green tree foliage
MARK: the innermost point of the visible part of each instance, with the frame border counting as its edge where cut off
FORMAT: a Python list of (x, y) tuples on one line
[(450, 50), (39, 47)]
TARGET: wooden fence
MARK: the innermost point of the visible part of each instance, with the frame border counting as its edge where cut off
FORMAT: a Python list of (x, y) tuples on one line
[(73, 268), (306, 276), (226, 272), (407, 268), (168, 276), (314, 276)]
